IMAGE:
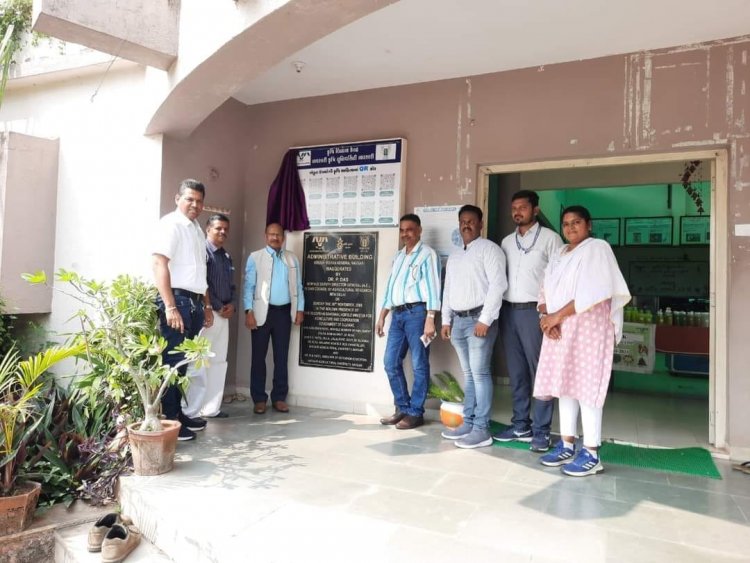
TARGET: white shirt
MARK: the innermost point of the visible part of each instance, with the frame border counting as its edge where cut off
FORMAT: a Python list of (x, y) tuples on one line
[(183, 242), (475, 277), (526, 267), (587, 275)]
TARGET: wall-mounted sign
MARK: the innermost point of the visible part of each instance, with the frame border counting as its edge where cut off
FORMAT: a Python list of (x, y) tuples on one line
[(339, 272), (669, 279), (648, 231), (636, 351), (695, 229), (606, 229), (353, 184), (440, 228)]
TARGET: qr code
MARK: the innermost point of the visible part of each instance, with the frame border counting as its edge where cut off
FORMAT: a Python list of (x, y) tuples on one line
[(387, 182)]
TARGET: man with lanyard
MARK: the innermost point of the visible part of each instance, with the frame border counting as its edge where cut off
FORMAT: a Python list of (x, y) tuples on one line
[(273, 299), (412, 294), (207, 383), (179, 264), (527, 250), (474, 285)]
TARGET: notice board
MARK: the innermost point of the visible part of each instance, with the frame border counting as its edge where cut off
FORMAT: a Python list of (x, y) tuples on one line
[(669, 279), (339, 276), (353, 184)]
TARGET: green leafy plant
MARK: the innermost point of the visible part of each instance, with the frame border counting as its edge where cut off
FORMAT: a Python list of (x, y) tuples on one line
[(119, 329), (15, 21), (7, 338), (444, 386), (21, 386)]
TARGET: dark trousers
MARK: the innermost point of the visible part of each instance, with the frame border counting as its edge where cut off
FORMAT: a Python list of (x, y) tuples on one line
[(191, 311), (276, 329), (522, 339)]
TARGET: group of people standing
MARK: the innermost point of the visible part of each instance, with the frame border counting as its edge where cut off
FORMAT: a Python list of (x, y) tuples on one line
[(558, 308), (194, 278)]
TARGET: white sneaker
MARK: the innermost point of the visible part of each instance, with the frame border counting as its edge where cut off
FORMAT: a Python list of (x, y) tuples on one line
[(477, 438)]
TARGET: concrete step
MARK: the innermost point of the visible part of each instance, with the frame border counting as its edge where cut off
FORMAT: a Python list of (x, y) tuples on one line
[(71, 542)]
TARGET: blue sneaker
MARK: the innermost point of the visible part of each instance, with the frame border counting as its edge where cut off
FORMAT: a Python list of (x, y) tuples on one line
[(477, 438), (540, 442), (512, 435), (583, 464), (456, 433), (560, 455)]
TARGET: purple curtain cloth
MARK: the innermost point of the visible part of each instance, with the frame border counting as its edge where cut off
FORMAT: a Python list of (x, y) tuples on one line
[(286, 198)]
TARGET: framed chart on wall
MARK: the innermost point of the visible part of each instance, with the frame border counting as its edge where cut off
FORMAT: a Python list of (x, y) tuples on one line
[(648, 231), (606, 229), (695, 229)]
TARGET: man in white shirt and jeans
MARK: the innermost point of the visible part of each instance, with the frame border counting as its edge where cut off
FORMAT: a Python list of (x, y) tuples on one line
[(527, 251), (474, 285)]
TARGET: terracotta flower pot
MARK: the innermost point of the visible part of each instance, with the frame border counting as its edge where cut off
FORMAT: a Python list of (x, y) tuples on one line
[(153, 452), (451, 414), (17, 512)]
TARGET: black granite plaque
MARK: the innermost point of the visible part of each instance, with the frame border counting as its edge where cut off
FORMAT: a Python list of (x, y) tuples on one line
[(339, 273)]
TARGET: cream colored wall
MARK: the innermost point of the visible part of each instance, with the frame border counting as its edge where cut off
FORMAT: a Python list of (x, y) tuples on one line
[(108, 177)]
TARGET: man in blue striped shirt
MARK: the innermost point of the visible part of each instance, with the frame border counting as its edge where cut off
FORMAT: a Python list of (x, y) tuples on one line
[(412, 294)]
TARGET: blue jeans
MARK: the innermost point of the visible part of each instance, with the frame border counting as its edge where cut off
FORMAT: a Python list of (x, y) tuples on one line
[(406, 328), (191, 312), (475, 356), (522, 338)]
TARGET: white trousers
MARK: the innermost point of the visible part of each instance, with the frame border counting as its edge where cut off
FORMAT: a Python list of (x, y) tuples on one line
[(591, 420), (206, 388)]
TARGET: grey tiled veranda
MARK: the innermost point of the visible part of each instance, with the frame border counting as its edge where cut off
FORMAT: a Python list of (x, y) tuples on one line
[(319, 485)]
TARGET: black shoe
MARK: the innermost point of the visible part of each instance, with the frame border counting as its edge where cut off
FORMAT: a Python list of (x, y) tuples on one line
[(395, 418), (185, 434), (409, 422), (195, 424), (220, 414)]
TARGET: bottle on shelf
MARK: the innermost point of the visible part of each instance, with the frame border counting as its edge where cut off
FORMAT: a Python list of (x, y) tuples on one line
[(691, 318), (668, 316), (660, 317)]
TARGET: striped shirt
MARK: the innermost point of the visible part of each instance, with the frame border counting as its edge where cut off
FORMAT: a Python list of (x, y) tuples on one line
[(220, 276), (414, 278)]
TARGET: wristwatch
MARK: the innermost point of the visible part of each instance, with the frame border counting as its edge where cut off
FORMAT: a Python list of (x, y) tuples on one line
[(542, 315), (431, 314)]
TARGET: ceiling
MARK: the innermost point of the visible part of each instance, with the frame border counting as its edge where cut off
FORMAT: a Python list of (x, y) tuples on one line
[(414, 41)]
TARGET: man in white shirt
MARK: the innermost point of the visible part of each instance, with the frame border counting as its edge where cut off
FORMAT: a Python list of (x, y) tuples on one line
[(179, 264), (527, 250), (474, 285)]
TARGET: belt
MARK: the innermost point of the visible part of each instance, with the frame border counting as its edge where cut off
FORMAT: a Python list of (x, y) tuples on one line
[(407, 306), (529, 305), (185, 293), (279, 306), (470, 312)]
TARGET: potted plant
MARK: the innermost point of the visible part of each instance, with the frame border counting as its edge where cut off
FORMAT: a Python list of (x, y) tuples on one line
[(444, 386), (124, 348), (21, 411)]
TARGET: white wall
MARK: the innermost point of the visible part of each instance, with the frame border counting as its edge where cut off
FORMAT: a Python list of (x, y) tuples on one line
[(109, 173)]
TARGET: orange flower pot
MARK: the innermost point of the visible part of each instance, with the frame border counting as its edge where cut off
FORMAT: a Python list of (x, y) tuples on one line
[(451, 414)]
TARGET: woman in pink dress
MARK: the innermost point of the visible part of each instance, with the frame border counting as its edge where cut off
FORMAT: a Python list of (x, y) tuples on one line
[(581, 311)]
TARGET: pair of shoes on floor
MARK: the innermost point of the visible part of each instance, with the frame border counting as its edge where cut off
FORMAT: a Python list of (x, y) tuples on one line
[(458, 432), (196, 424), (280, 406), (571, 463), (476, 438), (259, 407), (395, 418), (409, 422), (510, 434), (114, 536)]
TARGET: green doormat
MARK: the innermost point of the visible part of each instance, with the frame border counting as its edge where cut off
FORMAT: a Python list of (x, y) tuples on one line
[(687, 461)]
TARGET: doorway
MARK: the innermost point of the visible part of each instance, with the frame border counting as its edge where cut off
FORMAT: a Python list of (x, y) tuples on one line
[(642, 181)]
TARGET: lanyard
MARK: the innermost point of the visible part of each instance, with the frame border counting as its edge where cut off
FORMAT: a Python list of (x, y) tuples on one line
[(527, 250)]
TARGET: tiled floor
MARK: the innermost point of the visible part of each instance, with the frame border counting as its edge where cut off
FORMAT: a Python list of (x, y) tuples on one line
[(639, 419), (318, 485)]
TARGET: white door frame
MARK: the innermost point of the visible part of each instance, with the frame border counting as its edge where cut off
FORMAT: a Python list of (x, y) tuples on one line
[(719, 255)]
